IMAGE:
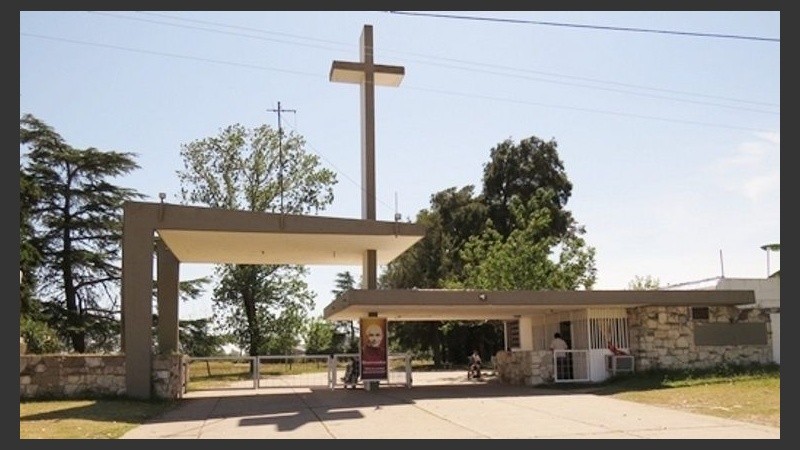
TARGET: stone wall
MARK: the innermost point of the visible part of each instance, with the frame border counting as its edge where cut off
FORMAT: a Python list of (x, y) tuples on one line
[(524, 367), (663, 337), (169, 376), (71, 376), (87, 376)]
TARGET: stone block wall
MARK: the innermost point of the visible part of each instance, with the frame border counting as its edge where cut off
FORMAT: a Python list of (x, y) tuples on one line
[(663, 337), (169, 376), (524, 367), (66, 376), (87, 376)]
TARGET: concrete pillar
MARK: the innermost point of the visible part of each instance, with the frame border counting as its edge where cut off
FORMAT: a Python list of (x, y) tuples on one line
[(526, 333), (369, 274), (168, 286), (137, 301)]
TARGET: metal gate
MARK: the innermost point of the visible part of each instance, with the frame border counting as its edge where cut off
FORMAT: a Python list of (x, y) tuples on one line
[(281, 371), (570, 366)]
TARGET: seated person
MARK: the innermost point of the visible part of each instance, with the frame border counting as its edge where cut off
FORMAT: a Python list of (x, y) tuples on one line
[(474, 365), (615, 350)]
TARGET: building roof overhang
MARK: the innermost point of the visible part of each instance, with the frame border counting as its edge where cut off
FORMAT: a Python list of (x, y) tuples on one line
[(436, 304)]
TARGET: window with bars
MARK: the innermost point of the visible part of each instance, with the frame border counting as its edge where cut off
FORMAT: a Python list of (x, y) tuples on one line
[(512, 328), (605, 331), (699, 313)]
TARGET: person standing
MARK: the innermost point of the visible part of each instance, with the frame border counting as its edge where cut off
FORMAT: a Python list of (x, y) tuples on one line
[(557, 346)]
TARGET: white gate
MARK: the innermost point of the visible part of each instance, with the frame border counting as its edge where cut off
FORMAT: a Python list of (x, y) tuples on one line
[(259, 372), (570, 366)]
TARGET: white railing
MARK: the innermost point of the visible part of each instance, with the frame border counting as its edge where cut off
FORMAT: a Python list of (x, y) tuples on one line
[(571, 366), (285, 371), (293, 371), (230, 375), (400, 370)]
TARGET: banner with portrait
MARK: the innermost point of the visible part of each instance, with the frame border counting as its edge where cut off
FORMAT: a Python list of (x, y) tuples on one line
[(374, 349)]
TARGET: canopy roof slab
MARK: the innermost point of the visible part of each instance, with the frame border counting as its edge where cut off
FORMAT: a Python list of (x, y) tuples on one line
[(221, 236), (436, 304)]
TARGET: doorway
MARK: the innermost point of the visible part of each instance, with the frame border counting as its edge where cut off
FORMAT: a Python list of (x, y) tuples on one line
[(565, 329)]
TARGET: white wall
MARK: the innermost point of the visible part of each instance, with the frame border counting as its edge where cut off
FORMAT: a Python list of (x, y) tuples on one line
[(767, 290), (775, 318)]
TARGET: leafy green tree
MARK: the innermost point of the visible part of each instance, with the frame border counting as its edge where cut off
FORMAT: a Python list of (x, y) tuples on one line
[(34, 329), (77, 223), (264, 306), (461, 337), (530, 258), (520, 170), (516, 235), (39, 337), (284, 334), (455, 215), (644, 283), (280, 301), (196, 338), (345, 338), (194, 335), (319, 337), (29, 256)]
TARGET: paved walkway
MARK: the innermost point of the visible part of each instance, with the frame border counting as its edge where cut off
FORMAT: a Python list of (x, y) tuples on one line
[(439, 406)]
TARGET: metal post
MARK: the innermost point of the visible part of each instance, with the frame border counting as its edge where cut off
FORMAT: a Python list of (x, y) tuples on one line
[(409, 379), (256, 372), (332, 371), (505, 335)]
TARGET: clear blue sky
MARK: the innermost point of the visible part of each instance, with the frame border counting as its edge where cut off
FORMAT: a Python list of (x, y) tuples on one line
[(672, 142)]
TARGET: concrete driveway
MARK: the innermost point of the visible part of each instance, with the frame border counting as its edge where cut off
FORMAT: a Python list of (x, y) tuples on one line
[(441, 405)]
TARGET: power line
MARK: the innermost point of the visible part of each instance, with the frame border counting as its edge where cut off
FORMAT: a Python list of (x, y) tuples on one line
[(170, 55), (438, 58), (622, 91), (594, 27), (228, 33), (591, 110), (340, 171), (575, 77), (252, 66), (239, 27)]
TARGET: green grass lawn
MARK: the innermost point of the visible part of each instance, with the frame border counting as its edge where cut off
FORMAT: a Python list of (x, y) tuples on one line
[(206, 374), (750, 394), (85, 419)]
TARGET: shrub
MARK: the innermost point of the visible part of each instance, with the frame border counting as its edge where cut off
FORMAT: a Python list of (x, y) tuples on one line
[(39, 337)]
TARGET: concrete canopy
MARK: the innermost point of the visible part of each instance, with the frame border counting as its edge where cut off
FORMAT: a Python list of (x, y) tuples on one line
[(220, 236), (435, 304), (214, 235)]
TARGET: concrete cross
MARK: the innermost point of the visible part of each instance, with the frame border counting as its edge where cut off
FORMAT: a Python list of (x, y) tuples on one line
[(367, 74)]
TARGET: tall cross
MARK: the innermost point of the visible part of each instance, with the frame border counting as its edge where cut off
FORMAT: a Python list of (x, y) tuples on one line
[(367, 74)]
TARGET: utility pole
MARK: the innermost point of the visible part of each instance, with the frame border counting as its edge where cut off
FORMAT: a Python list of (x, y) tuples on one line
[(280, 151)]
